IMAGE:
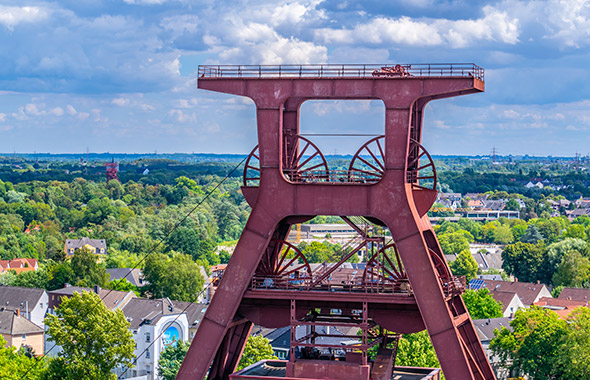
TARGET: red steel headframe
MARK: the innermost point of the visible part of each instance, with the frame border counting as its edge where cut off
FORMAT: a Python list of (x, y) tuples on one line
[(392, 195)]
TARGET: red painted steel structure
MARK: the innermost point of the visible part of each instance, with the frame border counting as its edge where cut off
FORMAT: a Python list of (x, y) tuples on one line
[(385, 184)]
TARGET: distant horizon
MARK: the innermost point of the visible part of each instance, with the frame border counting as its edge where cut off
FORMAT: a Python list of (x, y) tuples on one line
[(82, 154)]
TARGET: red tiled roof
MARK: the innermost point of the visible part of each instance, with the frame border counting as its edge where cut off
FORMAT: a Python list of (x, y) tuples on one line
[(557, 302), (527, 291), (575, 294)]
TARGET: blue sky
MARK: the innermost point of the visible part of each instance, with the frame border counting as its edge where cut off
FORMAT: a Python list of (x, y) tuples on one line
[(118, 75)]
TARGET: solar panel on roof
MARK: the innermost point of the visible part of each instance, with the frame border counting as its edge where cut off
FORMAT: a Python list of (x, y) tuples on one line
[(476, 283)]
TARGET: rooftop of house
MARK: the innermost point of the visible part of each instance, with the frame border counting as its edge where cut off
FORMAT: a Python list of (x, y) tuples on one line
[(575, 294), (485, 327), (19, 265), (557, 303), (527, 291), (16, 297), (133, 275), (113, 299), (79, 243), (503, 297), (488, 260), (140, 311), (12, 323)]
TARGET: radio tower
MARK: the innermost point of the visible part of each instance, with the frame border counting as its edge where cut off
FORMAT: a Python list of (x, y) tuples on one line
[(494, 152)]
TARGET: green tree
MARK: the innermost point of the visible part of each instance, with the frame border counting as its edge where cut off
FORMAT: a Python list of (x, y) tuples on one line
[(481, 304), (453, 243), (574, 356), (503, 235), (464, 265), (573, 271), (257, 348), (523, 260), (87, 272), (533, 347), (177, 277), (122, 284), (60, 275), (94, 339), (416, 350), (577, 231), (531, 235), (16, 364), (171, 359), (32, 279), (555, 254)]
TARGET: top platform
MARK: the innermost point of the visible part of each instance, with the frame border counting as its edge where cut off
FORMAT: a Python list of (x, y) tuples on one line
[(346, 71)]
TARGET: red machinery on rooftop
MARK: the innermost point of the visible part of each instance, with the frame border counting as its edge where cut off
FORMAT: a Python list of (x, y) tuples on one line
[(405, 286)]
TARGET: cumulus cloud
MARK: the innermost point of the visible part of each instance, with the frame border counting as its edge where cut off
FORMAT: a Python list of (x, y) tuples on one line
[(12, 16), (57, 111), (3, 117), (494, 26), (71, 110), (121, 102)]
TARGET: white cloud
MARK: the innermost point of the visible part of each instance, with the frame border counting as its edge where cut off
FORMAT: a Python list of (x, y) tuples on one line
[(57, 111), (32, 109), (121, 102), (3, 117), (495, 26), (71, 110), (146, 107), (12, 16), (569, 21), (183, 117)]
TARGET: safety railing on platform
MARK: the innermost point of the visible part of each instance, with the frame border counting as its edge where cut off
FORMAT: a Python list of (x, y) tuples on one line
[(342, 71), (351, 286), (332, 176)]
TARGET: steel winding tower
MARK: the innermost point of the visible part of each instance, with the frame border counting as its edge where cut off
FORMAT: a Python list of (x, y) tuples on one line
[(391, 182)]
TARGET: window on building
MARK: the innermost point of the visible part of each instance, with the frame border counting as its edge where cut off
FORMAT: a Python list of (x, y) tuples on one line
[(147, 354), (147, 337), (24, 337)]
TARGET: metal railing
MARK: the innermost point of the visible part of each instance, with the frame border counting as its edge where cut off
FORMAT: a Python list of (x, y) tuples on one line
[(342, 71), (332, 176)]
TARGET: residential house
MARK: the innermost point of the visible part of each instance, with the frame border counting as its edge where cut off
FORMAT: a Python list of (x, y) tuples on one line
[(538, 185), (575, 294), (573, 214), (31, 303), (133, 275), (485, 331), (113, 299), (490, 259), (528, 292), (494, 204), (563, 307), (510, 302), (18, 331), (19, 265), (96, 246), (156, 324), (583, 202)]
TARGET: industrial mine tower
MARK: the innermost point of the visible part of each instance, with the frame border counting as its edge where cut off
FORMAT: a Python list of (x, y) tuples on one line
[(405, 284)]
